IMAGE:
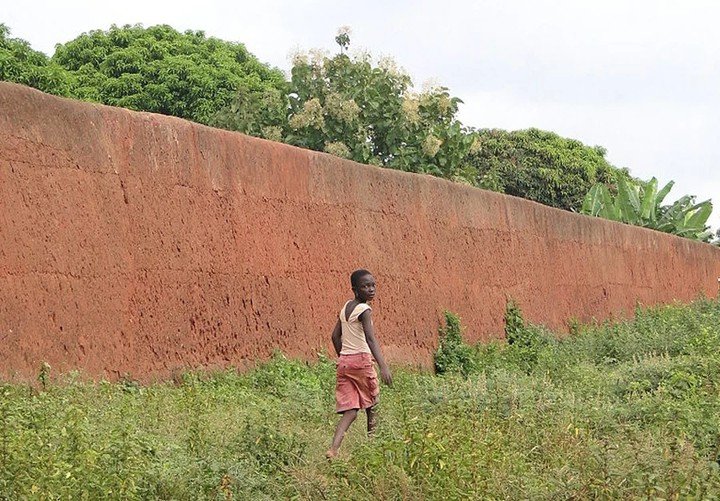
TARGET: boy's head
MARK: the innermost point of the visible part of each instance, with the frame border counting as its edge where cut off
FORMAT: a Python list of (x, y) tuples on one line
[(363, 284)]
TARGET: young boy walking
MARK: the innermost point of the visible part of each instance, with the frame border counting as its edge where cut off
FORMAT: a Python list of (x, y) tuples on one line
[(354, 341)]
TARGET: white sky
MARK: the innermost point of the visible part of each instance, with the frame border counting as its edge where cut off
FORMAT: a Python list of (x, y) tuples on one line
[(641, 78)]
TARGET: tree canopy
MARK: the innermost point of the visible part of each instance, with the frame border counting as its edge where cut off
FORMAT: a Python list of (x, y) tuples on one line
[(541, 166), (21, 64), (161, 70), (356, 108)]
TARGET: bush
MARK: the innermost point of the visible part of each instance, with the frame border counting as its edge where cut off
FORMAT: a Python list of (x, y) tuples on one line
[(453, 355), (525, 342)]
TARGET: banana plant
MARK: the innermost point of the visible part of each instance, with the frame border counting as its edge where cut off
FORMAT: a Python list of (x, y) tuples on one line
[(640, 203)]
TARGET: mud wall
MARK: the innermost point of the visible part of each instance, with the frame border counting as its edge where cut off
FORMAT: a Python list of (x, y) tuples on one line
[(134, 243)]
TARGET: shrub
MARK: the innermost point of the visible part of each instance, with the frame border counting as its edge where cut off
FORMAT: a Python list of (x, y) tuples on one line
[(453, 355), (525, 341)]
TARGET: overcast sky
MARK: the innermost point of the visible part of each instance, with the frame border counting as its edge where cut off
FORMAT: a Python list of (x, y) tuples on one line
[(641, 78)]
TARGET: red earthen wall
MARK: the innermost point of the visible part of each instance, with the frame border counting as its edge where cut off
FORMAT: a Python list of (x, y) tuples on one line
[(134, 243)]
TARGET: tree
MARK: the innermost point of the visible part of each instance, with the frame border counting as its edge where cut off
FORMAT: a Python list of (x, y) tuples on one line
[(640, 203), (161, 70), (352, 107), (257, 111), (21, 64), (540, 166)]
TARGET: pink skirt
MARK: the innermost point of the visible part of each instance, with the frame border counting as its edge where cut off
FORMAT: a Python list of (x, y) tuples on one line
[(357, 384)]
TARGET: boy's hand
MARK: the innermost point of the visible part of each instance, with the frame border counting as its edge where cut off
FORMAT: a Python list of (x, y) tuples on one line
[(386, 375)]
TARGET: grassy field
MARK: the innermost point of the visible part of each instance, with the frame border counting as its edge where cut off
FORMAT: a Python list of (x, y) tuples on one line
[(627, 410)]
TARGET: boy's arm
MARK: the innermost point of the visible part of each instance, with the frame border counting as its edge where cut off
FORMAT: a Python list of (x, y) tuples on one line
[(366, 319), (337, 338)]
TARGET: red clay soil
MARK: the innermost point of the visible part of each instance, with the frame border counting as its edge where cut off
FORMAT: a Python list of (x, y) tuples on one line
[(140, 244)]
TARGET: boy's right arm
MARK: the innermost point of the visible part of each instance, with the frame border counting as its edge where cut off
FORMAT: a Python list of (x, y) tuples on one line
[(337, 337)]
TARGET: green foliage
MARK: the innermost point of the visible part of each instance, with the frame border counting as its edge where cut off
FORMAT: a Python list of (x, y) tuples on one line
[(540, 166), (453, 355), (617, 411), (640, 203), (524, 341), (51, 447), (258, 111), (161, 70), (21, 64), (515, 331)]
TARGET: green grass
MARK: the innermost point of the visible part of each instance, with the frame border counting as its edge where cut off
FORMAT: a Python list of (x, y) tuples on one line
[(626, 410)]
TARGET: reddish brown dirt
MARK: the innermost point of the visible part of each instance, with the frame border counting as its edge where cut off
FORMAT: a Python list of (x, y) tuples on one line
[(139, 244)]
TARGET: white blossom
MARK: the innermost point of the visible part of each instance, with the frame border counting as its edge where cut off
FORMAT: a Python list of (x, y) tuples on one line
[(431, 145), (338, 149)]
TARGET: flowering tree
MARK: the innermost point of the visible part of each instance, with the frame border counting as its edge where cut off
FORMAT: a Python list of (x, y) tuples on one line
[(351, 107)]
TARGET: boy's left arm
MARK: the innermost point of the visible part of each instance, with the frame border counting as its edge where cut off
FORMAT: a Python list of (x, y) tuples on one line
[(366, 319)]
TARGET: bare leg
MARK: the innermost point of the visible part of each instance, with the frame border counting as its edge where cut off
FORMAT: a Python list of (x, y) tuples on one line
[(347, 419), (371, 420)]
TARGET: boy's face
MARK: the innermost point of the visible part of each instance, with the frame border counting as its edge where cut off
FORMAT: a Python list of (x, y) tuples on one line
[(365, 289)]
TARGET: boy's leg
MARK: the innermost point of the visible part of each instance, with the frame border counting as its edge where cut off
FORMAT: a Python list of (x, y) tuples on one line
[(371, 420), (347, 419)]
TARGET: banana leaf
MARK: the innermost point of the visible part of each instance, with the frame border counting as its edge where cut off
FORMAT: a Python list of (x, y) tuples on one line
[(610, 210), (628, 202), (698, 215), (593, 201), (649, 202), (663, 193), (639, 203)]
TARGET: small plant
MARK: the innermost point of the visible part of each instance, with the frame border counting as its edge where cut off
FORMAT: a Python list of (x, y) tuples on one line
[(525, 341), (271, 447), (453, 355), (44, 374), (514, 323), (574, 327)]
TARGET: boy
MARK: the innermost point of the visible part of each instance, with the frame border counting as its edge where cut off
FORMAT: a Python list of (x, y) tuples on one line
[(354, 341)]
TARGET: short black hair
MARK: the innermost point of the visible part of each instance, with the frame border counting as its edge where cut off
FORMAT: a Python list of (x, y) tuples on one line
[(356, 275)]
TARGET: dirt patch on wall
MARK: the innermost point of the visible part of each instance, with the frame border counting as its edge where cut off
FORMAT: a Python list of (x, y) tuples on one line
[(134, 243)]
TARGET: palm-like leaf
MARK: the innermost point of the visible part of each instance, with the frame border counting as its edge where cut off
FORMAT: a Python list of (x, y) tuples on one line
[(663, 193), (649, 200), (639, 203), (593, 201)]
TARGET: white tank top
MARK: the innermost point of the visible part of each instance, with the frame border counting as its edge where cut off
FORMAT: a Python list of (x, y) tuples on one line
[(353, 334)]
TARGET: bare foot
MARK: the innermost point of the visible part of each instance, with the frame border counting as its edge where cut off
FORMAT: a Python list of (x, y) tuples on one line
[(331, 453)]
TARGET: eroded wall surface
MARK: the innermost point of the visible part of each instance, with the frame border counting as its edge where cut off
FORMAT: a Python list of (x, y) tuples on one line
[(139, 244)]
